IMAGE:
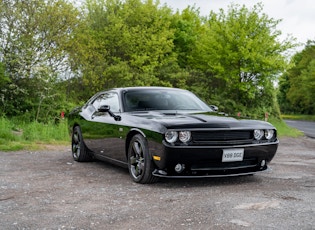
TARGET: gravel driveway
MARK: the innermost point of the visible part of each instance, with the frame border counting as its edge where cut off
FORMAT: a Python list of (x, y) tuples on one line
[(48, 190)]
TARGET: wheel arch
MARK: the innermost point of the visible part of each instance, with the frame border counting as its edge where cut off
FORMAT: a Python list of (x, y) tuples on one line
[(132, 133)]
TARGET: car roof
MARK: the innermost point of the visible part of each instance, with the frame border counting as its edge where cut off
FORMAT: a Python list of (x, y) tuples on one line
[(120, 90), (145, 87)]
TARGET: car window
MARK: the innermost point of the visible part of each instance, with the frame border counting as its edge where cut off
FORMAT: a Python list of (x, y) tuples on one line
[(110, 99), (162, 100)]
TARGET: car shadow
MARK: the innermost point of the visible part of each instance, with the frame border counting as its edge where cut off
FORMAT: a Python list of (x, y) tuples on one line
[(209, 181), (123, 173)]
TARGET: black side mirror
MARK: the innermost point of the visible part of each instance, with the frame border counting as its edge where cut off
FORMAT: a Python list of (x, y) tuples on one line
[(214, 108), (106, 109)]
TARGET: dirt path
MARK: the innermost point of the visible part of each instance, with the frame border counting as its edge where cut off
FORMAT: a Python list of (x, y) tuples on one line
[(48, 190)]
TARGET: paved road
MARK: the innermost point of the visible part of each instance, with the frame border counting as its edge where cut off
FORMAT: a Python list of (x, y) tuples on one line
[(308, 127)]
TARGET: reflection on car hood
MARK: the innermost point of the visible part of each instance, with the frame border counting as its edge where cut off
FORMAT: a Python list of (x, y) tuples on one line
[(199, 120)]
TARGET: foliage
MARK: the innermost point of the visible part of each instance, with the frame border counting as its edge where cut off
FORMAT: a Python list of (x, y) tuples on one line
[(241, 58), (33, 38), (296, 88), (4, 81), (124, 44), (16, 135), (54, 55), (188, 27)]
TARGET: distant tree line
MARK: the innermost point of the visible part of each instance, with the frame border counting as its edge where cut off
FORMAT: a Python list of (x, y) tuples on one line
[(56, 54), (297, 84)]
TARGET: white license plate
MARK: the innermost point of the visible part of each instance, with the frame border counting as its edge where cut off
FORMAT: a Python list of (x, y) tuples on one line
[(230, 155)]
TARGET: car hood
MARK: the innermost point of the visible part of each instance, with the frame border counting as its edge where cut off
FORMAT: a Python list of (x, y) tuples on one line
[(200, 120)]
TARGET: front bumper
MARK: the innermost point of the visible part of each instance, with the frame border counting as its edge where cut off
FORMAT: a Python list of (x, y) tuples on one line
[(158, 173), (206, 161)]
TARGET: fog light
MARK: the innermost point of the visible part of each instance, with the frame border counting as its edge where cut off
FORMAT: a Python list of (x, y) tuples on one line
[(179, 168), (263, 163)]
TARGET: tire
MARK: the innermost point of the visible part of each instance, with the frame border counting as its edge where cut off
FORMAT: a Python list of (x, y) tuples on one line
[(140, 164), (79, 150)]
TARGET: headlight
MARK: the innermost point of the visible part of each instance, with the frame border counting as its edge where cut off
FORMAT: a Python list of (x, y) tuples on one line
[(258, 134), (269, 133), (184, 136), (171, 136)]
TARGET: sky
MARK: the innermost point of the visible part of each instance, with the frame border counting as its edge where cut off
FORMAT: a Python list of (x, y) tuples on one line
[(298, 16)]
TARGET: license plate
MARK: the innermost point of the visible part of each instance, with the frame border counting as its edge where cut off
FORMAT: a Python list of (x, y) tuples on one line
[(230, 155)]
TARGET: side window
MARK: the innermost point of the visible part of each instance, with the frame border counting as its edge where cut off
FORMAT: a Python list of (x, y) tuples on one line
[(110, 99)]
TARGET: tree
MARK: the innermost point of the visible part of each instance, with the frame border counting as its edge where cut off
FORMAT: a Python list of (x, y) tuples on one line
[(298, 84), (284, 86), (241, 55), (124, 43), (4, 81), (188, 26), (34, 35)]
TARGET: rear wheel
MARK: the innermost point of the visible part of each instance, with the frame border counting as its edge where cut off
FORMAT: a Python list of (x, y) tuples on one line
[(79, 150), (140, 164)]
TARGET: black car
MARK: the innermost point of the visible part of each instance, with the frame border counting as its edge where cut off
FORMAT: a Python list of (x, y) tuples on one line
[(167, 132)]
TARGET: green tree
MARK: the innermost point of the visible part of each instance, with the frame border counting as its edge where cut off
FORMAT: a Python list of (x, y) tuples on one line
[(188, 26), (299, 82), (124, 43), (34, 37), (284, 86), (4, 81), (242, 56)]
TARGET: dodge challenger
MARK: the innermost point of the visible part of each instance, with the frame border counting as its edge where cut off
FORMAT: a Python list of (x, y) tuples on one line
[(168, 132)]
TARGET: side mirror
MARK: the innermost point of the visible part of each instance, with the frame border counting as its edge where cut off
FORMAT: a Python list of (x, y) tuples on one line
[(214, 108), (106, 109)]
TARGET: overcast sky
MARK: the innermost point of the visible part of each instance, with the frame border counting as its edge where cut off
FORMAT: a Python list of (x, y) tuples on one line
[(298, 16)]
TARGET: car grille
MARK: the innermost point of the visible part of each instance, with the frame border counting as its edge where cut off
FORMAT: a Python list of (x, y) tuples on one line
[(212, 166), (227, 137)]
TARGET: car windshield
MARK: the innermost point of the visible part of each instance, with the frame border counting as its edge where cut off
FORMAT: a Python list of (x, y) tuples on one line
[(157, 99)]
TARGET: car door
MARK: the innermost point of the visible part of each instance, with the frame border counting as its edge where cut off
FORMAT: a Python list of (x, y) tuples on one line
[(104, 136)]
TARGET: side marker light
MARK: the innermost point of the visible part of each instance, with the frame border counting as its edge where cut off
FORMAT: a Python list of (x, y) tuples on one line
[(156, 158)]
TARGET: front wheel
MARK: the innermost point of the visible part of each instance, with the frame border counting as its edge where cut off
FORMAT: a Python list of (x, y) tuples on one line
[(79, 151), (140, 164)]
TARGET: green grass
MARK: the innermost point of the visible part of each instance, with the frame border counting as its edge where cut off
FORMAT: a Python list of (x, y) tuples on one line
[(298, 117), (283, 130), (16, 135)]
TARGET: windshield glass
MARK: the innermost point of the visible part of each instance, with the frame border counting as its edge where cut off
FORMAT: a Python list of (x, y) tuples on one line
[(159, 99)]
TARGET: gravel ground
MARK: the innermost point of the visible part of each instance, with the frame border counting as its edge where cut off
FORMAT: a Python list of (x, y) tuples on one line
[(48, 190)]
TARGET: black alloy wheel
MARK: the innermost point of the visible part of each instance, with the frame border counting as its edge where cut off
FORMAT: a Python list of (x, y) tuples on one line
[(79, 151), (140, 164)]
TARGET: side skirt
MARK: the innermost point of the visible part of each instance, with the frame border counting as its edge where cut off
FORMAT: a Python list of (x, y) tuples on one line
[(110, 160)]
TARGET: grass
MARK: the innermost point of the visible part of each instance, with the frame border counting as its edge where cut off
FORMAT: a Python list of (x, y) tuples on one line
[(283, 130), (299, 117), (16, 135)]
